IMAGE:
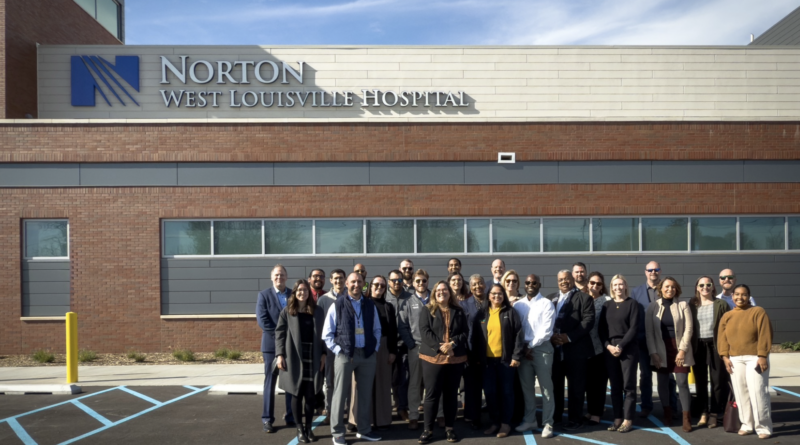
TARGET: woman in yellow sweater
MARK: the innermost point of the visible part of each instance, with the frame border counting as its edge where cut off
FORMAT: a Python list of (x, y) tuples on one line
[(745, 338)]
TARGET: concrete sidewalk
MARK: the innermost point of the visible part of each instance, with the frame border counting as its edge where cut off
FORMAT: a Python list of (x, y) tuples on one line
[(784, 371)]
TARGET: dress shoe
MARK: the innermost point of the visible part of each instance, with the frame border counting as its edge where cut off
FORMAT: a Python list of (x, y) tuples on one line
[(644, 413), (504, 430), (492, 430), (268, 428), (403, 413), (351, 428), (413, 424), (572, 426), (425, 437), (301, 435)]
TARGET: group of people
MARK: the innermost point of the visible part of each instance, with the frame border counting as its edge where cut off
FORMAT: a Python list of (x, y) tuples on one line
[(365, 348)]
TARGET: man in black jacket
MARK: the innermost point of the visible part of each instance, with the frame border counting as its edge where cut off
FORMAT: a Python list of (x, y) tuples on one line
[(573, 347)]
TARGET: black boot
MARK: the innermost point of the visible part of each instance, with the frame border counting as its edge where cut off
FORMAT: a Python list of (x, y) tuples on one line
[(301, 434), (310, 433)]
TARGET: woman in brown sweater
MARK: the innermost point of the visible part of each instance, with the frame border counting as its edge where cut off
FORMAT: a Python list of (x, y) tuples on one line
[(745, 339)]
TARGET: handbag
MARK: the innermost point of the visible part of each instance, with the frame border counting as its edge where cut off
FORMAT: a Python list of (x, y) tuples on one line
[(731, 422)]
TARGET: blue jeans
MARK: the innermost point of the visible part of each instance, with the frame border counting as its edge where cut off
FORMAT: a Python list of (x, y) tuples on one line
[(498, 387)]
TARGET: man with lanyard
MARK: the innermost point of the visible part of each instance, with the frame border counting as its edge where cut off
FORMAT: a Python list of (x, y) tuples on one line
[(316, 279), (727, 280), (538, 317), (352, 331), (268, 308), (408, 330), (644, 295), (396, 295)]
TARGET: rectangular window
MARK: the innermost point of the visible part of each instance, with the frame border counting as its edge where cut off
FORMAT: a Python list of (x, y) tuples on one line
[(288, 237), (615, 234), (108, 14), (187, 237), (713, 234), (515, 235), (665, 234), (440, 235), (762, 233), (46, 239), (566, 235), (477, 235), (340, 236), (88, 6), (794, 232), (237, 237), (390, 236)]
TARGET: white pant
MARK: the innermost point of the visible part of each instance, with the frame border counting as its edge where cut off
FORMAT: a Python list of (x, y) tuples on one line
[(751, 390)]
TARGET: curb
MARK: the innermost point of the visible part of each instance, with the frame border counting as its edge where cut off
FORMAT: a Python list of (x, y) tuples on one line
[(40, 389)]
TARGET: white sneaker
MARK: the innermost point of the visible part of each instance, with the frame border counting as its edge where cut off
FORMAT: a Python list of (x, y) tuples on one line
[(547, 432), (527, 426)]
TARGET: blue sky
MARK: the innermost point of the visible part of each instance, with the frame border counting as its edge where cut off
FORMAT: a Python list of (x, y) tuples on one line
[(450, 22)]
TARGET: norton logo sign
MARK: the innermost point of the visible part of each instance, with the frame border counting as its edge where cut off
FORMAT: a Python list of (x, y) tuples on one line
[(87, 71)]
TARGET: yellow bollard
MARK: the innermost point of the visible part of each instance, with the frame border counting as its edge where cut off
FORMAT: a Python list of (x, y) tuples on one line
[(72, 347)]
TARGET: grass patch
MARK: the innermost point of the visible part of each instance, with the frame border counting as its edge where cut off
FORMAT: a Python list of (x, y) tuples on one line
[(43, 356), (184, 355), (86, 355), (228, 354), (136, 356), (234, 355)]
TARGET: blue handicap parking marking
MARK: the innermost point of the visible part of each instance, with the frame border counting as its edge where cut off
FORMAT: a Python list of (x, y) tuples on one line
[(28, 440), (777, 389)]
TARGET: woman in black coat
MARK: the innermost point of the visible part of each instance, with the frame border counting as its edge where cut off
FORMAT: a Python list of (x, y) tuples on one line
[(442, 354), (299, 350)]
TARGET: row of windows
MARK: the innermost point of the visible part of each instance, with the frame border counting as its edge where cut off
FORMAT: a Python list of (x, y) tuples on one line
[(502, 235), (107, 12)]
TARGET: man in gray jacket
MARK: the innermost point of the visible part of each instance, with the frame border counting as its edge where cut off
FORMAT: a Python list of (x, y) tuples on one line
[(325, 302), (408, 328)]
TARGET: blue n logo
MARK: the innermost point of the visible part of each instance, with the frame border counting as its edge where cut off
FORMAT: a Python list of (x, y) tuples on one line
[(84, 84)]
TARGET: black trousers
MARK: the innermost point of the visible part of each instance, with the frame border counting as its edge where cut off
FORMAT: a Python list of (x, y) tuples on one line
[(305, 397), (707, 362), (441, 382), (473, 387), (329, 359), (596, 383), (574, 369), (622, 373)]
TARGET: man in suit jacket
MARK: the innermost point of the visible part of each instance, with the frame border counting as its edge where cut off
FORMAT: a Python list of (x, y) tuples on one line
[(573, 347), (268, 308)]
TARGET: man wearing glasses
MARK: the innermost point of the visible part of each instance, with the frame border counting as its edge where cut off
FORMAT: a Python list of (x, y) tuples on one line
[(407, 267), (396, 295), (316, 279), (408, 328), (644, 295), (727, 280), (538, 316)]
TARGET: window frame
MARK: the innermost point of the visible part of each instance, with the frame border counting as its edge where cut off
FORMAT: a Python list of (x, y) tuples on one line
[(24, 243)]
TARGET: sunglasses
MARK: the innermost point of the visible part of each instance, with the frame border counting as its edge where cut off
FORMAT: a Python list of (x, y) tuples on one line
[(406, 268), (727, 277), (595, 283), (496, 294), (378, 285), (708, 285), (512, 281), (531, 283), (420, 281), (395, 280), (658, 269)]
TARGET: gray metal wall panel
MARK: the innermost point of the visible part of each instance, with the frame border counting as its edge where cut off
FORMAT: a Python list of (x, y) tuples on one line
[(144, 174), (39, 175), (224, 174), (174, 263), (187, 273), (321, 173), (45, 265), (666, 172), (43, 275), (235, 297), (518, 173), (771, 171), (201, 309), (416, 173), (185, 297), (44, 311), (46, 300), (207, 285), (36, 287), (604, 172)]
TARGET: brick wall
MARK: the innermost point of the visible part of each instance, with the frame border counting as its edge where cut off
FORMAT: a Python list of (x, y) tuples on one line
[(397, 142), (115, 242), (26, 23)]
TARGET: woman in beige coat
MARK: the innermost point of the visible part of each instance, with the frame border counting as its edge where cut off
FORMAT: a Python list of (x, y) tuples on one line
[(669, 326)]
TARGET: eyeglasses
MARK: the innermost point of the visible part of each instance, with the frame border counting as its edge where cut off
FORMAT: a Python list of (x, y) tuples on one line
[(727, 277), (318, 276), (420, 281), (531, 283), (595, 283), (406, 268), (708, 285), (496, 294), (395, 280), (657, 269), (512, 281), (378, 285)]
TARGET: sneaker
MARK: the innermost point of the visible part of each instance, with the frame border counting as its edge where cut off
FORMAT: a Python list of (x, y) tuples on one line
[(547, 432), (527, 426), (339, 441), (369, 436)]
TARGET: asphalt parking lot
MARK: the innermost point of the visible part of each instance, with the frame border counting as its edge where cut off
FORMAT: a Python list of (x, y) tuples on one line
[(177, 414)]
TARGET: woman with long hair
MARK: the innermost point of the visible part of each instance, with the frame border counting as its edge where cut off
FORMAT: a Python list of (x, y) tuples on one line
[(669, 327), (442, 353), (707, 311), (510, 282), (619, 322), (597, 374), (299, 349), (745, 339), (458, 287)]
